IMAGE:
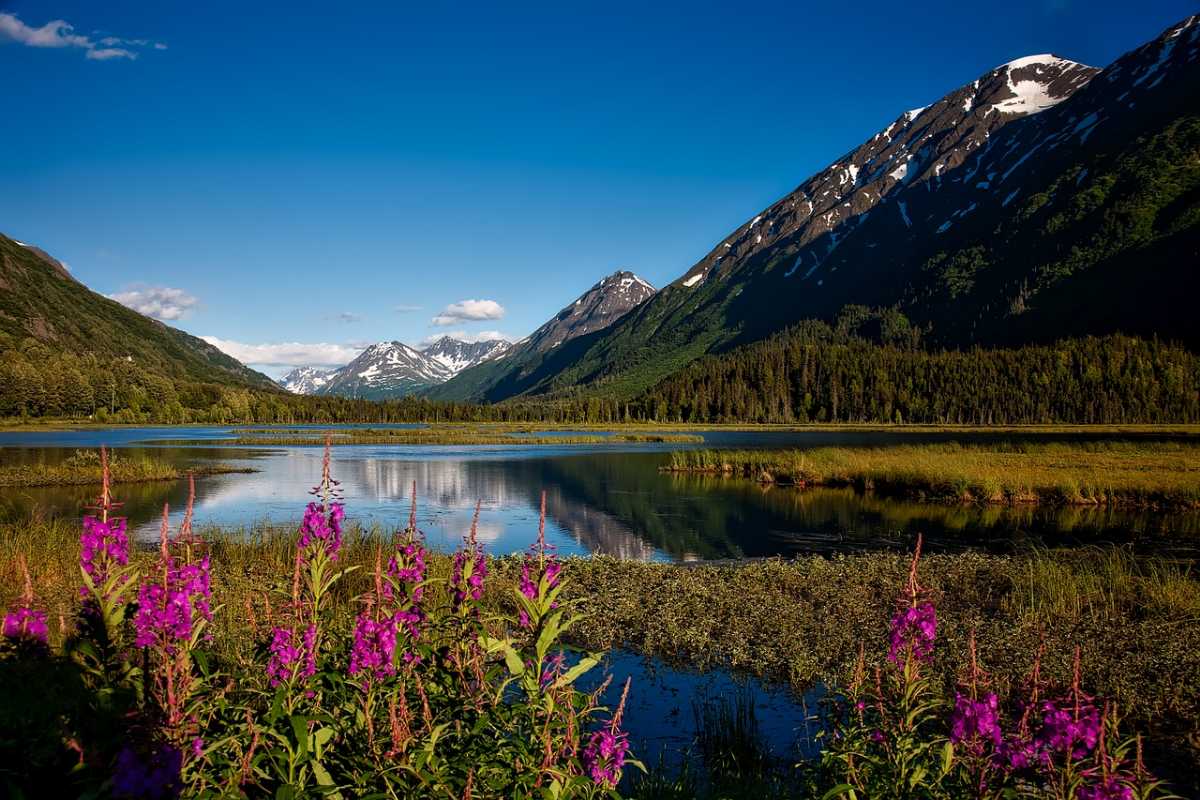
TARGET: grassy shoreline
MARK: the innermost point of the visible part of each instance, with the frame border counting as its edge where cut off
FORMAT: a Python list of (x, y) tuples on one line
[(1140, 475), (83, 469)]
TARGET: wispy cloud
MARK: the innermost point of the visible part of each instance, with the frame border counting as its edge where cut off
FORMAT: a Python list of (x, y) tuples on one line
[(287, 354), (160, 302), (405, 309), (469, 311), (346, 316), (60, 33), (463, 336)]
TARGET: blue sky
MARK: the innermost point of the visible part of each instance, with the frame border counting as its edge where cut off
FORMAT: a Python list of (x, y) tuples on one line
[(335, 174)]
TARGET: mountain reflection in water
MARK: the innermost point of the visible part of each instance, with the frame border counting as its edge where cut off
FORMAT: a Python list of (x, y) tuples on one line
[(604, 499)]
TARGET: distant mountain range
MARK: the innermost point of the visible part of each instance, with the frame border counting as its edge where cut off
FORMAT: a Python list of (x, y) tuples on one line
[(1043, 199), (394, 369)]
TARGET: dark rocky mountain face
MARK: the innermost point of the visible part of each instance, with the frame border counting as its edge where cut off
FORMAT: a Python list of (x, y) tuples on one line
[(554, 343), (1001, 213), (596, 309)]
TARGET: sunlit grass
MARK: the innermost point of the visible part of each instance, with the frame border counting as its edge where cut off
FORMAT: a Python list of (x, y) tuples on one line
[(83, 468), (1145, 474)]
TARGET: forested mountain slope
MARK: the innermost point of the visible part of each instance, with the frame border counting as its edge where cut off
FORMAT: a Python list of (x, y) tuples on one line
[(1045, 199)]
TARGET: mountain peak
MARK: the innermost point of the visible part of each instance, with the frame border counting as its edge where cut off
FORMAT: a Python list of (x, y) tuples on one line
[(600, 306)]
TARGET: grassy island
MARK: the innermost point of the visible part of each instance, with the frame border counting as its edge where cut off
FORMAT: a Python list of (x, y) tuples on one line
[(1143, 474), (84, 469)]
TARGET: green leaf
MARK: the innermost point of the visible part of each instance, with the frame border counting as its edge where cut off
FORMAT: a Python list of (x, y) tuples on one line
[(947, 757)]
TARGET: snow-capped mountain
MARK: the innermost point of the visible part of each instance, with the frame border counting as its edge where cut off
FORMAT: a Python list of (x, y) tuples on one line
[(394, 369), (456, 355), (305, 380), (1012, 210), (597, 308), (921, 147), (386, 369)]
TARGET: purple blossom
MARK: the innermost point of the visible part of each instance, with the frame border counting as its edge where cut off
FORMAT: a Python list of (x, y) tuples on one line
[(1070, 731), (533, 572), (406, 571), (322, 529), (168, 611), (604, 756), (374, 647), (289, 658), (1016, 753), (154, 777), (26, 624), (975, 722), (1110, 788), (100, 545), (466, 576), (913, 627)]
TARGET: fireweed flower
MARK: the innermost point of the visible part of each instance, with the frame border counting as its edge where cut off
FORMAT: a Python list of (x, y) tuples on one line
[(916, 628), (1073, 732), (101, 545), (604, 756), (168, 610), (1017, 753), (26, 624), (322, 529), (289, 658), (406, 570), (466, 576), (374, 648), (975, 722), (1110, 788)]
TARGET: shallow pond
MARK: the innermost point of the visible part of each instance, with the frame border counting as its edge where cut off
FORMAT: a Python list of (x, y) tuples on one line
[(601, 498)]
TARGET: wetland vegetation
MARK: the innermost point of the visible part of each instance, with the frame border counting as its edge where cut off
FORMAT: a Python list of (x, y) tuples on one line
[(1142, 474)]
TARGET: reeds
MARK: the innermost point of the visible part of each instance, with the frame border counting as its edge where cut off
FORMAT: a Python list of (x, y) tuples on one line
[(1146, 475)]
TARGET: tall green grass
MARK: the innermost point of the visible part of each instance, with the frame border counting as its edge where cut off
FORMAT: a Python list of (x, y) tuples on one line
[(83, 468), (1097, 473)]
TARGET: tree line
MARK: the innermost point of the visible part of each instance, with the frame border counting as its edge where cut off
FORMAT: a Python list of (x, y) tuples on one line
[(815, 373), (809, 374)]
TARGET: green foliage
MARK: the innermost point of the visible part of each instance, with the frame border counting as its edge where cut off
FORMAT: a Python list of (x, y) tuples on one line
[(814, 374)]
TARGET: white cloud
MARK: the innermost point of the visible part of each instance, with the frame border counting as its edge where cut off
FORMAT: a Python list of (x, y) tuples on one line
[(60, 33), (469, 311), (105, 53), (160, 302), (463, 336), (287, 354)]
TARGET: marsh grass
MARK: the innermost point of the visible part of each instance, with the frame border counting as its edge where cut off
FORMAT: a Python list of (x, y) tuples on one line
[(83, 468), (1142, 474)]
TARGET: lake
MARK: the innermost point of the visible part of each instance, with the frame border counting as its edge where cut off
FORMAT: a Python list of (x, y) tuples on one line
[(601, 498)]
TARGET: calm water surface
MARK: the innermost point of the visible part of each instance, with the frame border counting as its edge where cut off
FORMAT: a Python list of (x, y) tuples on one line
[(606, 498)]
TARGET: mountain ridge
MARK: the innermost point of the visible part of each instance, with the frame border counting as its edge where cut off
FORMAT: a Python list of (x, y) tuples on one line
[(909, 219)]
